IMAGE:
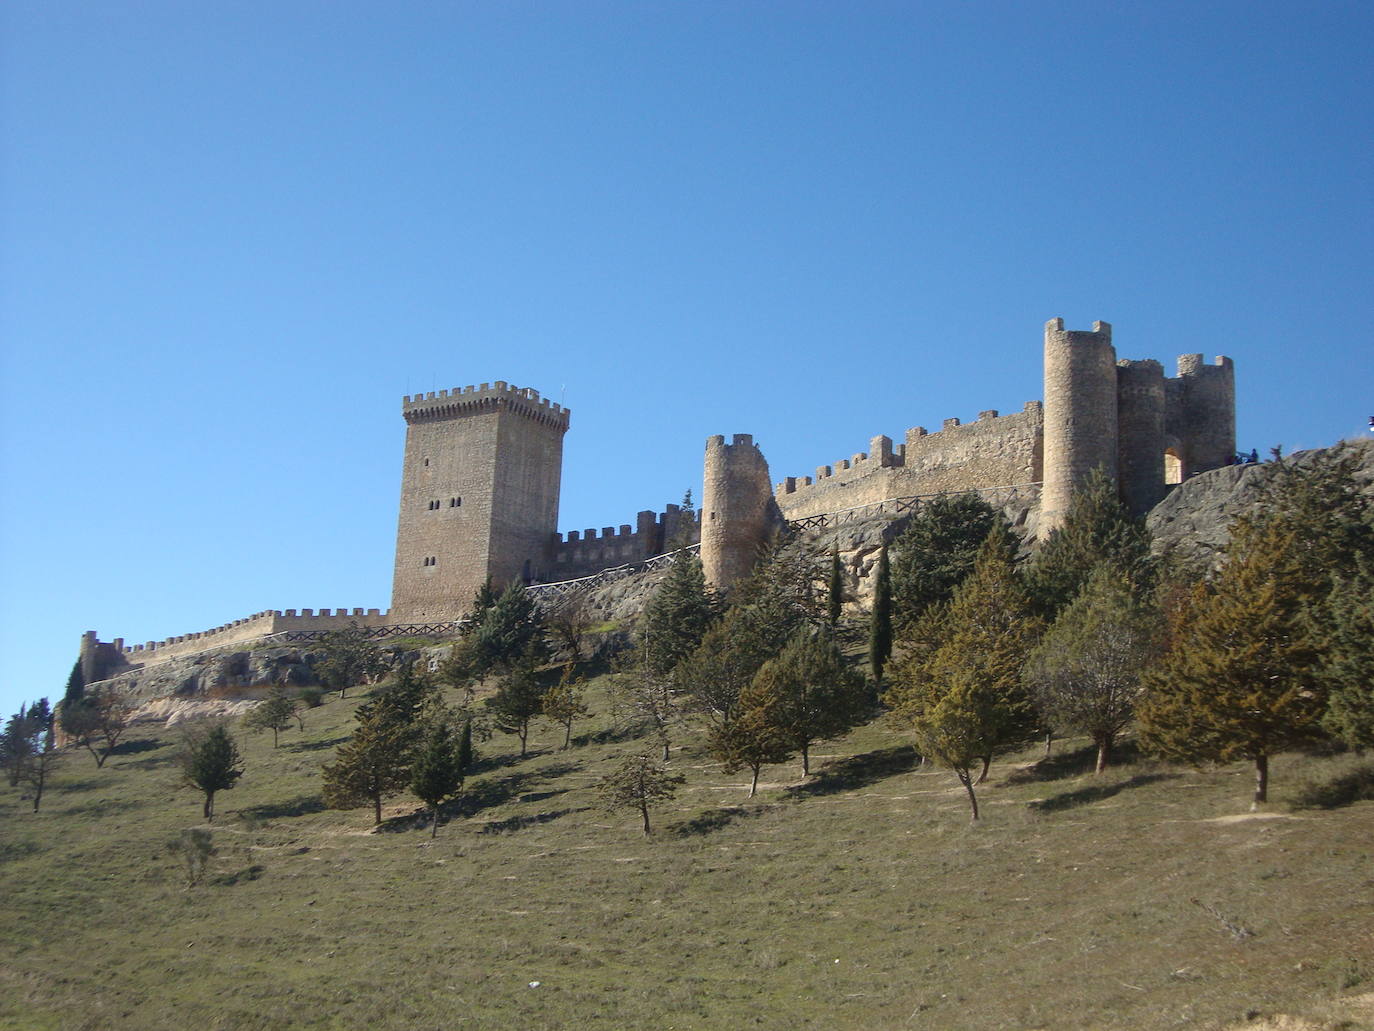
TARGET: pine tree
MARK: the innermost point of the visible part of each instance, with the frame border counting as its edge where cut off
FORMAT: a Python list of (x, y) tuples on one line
[(350, 659), (1086, 670), (483, 601), (511, 633), (963, 697), (275, 713), (937, 551), (1242, 680), (210, 761), (754, 738), (880, 620), (564, 704), (1097, 529), (438, 770), (16, 745), (407, 694), (96, 722), (374, 763), (33, 749), (677, 616), (768, 608), (640, 783), (809, 692), (519, 698)]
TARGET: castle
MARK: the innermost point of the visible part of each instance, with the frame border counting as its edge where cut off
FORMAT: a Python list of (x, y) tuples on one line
[(482, 469)]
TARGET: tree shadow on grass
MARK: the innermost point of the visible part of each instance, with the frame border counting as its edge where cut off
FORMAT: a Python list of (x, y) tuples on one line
[(1095, 792), (151, 763), (614, 735), (1355, 786), (248, 873), (487, 764), (82, 784), (1073, 764), (519, 823), (494, 791), (136, 746), (858, 771), (102, 807), (12, 850), (301, 805), (316, 746), (712, 820)]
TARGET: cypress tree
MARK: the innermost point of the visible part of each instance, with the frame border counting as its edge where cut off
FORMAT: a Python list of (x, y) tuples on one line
[(76, 685), (880, 620)]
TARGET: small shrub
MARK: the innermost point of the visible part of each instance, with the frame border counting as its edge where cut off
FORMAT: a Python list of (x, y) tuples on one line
[(196, 849), (312, 697)]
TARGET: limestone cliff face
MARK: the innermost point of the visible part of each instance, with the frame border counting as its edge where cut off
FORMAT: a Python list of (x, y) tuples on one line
[(1194, 520)]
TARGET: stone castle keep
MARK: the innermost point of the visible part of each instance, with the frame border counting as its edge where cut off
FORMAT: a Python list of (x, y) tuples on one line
[(482, 469)]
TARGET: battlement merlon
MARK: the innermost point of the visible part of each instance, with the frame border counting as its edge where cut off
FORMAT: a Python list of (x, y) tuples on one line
[(483, 399), (1193, 365)]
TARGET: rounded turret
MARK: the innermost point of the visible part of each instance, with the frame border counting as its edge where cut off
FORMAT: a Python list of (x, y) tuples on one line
[(738, 513), (1080, 413)]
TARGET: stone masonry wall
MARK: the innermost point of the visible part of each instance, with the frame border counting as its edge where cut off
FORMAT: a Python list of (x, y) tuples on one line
[(995, 451), (582, 553), (239, 631)]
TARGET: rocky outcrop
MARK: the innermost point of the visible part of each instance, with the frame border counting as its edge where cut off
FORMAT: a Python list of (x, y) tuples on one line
[(232, 675), (1194, 521)]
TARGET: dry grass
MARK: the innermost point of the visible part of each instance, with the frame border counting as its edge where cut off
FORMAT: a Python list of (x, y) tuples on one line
[(859, 899)]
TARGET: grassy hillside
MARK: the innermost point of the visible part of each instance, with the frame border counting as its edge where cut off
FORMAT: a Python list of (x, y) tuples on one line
[(1146, 898)]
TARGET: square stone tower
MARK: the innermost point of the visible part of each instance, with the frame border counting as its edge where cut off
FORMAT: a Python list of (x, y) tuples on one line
[(479, 496)]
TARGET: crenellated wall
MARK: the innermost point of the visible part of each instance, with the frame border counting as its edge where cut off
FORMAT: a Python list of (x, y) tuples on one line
[(581, 553), (239, 631), (997, 450)]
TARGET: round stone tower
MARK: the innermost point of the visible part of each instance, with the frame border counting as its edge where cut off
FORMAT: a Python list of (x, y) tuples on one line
[(1140, 444), (1080, 413), (738, 513)]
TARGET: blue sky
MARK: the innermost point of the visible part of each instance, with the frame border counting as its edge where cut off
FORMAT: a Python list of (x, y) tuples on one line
[(233, 235)]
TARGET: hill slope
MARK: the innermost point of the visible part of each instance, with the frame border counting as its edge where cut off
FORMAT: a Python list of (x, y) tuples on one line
[(1147, 898)]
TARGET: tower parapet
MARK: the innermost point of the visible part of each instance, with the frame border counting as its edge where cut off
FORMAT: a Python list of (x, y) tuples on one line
[(470, 400), (738, 512)]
